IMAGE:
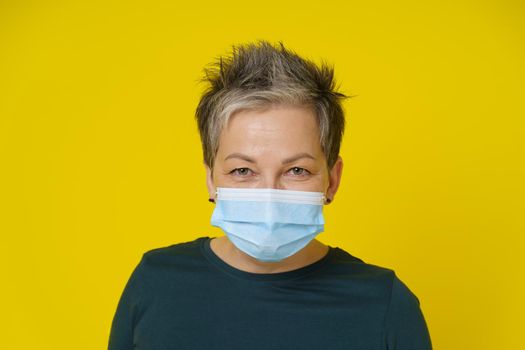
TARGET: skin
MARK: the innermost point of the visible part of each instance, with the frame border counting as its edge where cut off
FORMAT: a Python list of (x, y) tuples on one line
[(252, 148)]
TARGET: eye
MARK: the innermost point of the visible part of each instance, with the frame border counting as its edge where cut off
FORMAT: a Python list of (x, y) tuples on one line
[(240, 171), (297, 171)]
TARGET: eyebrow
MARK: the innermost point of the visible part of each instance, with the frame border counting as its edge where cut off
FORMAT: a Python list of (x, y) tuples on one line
[(285, 161)]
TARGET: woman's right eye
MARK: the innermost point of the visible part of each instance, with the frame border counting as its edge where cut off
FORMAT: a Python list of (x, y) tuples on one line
[(240, 171)]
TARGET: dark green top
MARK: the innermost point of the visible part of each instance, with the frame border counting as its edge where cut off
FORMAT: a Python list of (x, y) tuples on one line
[(185, 297)]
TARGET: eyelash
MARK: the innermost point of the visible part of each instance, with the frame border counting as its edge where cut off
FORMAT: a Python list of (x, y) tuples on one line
[(296, 167)]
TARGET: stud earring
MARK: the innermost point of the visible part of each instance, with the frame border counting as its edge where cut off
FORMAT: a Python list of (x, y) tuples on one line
[(211, 200)]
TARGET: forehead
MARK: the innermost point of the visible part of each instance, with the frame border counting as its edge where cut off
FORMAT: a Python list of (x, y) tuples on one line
[(277, 131), (295, 119)]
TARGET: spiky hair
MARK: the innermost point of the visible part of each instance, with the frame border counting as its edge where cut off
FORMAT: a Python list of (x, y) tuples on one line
[(258, 75)]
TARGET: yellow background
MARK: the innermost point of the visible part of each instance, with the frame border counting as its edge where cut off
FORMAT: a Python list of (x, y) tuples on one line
[(101, 159)]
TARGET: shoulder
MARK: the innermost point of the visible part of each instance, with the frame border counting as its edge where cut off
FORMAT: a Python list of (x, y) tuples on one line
[(398, 293), (401, 294), (167, 264), (405, 324), (359, 278), (177, 253), (345, 263)]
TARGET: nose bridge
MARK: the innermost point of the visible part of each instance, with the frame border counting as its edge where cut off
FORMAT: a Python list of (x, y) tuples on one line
[(271, 179)]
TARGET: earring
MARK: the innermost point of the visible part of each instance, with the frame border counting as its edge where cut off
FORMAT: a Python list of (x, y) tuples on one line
[(211, 200), (328, 200)]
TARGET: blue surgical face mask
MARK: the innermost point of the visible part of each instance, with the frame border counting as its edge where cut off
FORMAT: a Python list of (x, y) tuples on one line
[(269, 224)]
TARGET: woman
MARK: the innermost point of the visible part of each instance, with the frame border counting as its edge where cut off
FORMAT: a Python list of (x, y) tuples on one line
[(271, 125)]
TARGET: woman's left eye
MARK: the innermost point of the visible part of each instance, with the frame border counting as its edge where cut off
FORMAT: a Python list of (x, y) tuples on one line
[(299, 171)]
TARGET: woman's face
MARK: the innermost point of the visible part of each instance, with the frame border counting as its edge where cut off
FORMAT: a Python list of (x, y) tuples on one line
[(276, 148)]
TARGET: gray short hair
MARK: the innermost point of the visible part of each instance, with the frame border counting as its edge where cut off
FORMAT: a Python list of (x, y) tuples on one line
[(259, 75)]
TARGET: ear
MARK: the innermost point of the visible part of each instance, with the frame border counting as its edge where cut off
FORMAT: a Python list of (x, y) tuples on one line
[(334, 179), (209, 182)]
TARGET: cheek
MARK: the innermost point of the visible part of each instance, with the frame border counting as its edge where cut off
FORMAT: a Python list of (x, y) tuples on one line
[(320, 181)]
